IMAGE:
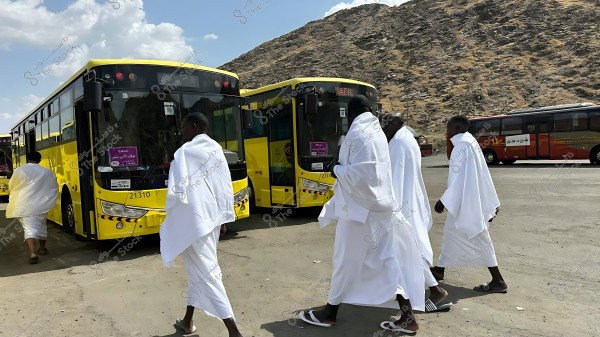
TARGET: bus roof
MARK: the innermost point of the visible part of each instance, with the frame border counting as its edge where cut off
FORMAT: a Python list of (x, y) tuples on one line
[(103, 62), (551, 108), (297, 80), (563, 108)]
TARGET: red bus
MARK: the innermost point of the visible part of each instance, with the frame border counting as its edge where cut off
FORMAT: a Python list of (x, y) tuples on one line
[(553, 132)]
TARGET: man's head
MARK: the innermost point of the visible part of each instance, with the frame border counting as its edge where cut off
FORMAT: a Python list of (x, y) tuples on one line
[(34, 157), (358, 105), (391, 123), (456, 125), (193, 125)]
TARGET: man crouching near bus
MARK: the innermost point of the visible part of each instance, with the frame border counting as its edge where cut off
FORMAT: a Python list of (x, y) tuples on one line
[(199, 201), (33, 193)]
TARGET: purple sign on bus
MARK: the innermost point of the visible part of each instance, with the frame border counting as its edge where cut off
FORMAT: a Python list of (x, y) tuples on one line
[(123, 156), (318, 148)]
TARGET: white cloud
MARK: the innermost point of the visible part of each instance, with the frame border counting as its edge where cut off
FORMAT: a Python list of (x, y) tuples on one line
[(210, 37), (86, 30), (356, 3), (26, 104)]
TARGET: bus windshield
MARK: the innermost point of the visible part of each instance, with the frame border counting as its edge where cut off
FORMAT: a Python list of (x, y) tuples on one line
[(319, 135), (137, 133), (5, 160)]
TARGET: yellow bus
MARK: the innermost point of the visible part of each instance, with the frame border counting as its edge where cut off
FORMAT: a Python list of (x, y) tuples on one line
[(293, 135), (110, 132), (6, 166)]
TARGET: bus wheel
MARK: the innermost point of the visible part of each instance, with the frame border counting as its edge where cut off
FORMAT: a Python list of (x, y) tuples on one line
[(595, 155), (508, 162), (68, 213), (251, 200), (490, 157)]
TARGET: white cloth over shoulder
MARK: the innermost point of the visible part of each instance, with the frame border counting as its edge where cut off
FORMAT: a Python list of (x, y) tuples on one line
[(470, 198), (409, 188), (33, 191), (363, 182), (199, 196)]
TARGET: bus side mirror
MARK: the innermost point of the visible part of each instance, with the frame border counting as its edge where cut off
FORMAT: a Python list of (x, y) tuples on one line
[(311, 105), (92, 100), (247, 119)]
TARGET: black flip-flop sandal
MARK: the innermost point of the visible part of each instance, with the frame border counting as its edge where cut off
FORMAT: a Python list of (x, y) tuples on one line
[(485, 288), (33, 260)]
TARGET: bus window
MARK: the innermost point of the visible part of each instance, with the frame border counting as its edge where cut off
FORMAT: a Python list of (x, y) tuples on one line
[(259, 118), (280, 137), (512, 126), (54, 125), (45, 134), (572, 121), (67, 126), (487, 128), (38, 137), (595, 120)]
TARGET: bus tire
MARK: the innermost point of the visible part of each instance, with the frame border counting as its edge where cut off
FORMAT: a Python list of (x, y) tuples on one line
[(490, 157), (251, 200), (595, 155), (68, 212), (508, 162)]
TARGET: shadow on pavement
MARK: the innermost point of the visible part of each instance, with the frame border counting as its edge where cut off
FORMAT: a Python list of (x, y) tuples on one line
[(351, 321), (65, 251), (268, 219)]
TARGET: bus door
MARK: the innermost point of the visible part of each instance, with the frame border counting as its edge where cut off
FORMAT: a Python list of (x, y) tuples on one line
[(281, 159), (539, 145)]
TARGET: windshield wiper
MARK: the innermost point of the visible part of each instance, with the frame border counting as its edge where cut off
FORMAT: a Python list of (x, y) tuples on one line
[(158, 158)]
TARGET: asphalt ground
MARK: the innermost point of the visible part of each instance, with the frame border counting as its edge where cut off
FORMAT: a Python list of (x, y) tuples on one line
[(546, 238)]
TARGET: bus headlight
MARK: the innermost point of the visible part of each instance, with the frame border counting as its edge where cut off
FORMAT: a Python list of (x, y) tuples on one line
[(3, 187), (112, 209), (241, 195), (315, 186)]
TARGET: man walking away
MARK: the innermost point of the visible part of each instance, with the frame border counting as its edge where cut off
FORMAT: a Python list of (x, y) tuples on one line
[(365, 272), (405, 156), (472, 203), (199, 201), (33, 193)]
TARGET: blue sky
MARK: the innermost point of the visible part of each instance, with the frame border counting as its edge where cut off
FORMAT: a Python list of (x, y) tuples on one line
[(37, 34)]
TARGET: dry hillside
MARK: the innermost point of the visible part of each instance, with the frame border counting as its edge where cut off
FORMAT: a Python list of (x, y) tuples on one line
[(436, 58)]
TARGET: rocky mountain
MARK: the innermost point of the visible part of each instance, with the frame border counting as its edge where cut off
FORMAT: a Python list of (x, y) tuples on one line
[(435, 58)]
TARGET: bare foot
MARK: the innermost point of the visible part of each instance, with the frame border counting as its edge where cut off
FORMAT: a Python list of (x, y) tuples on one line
[(187, 326), (438, 295), (407, 322), (322, 316)]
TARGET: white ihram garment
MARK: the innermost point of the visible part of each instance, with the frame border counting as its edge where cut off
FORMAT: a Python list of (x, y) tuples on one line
[(34, 227), (410, 192), (33, 193), (365, 269), (205, 285), (471, 201), (199, 201)]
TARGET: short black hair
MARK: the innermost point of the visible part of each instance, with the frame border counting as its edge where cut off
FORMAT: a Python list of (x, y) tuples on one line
[(359, 104), (459, 119), (199, 119), (34, 156)]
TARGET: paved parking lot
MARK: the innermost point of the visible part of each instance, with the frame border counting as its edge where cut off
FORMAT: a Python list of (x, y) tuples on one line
[(547, 238)]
